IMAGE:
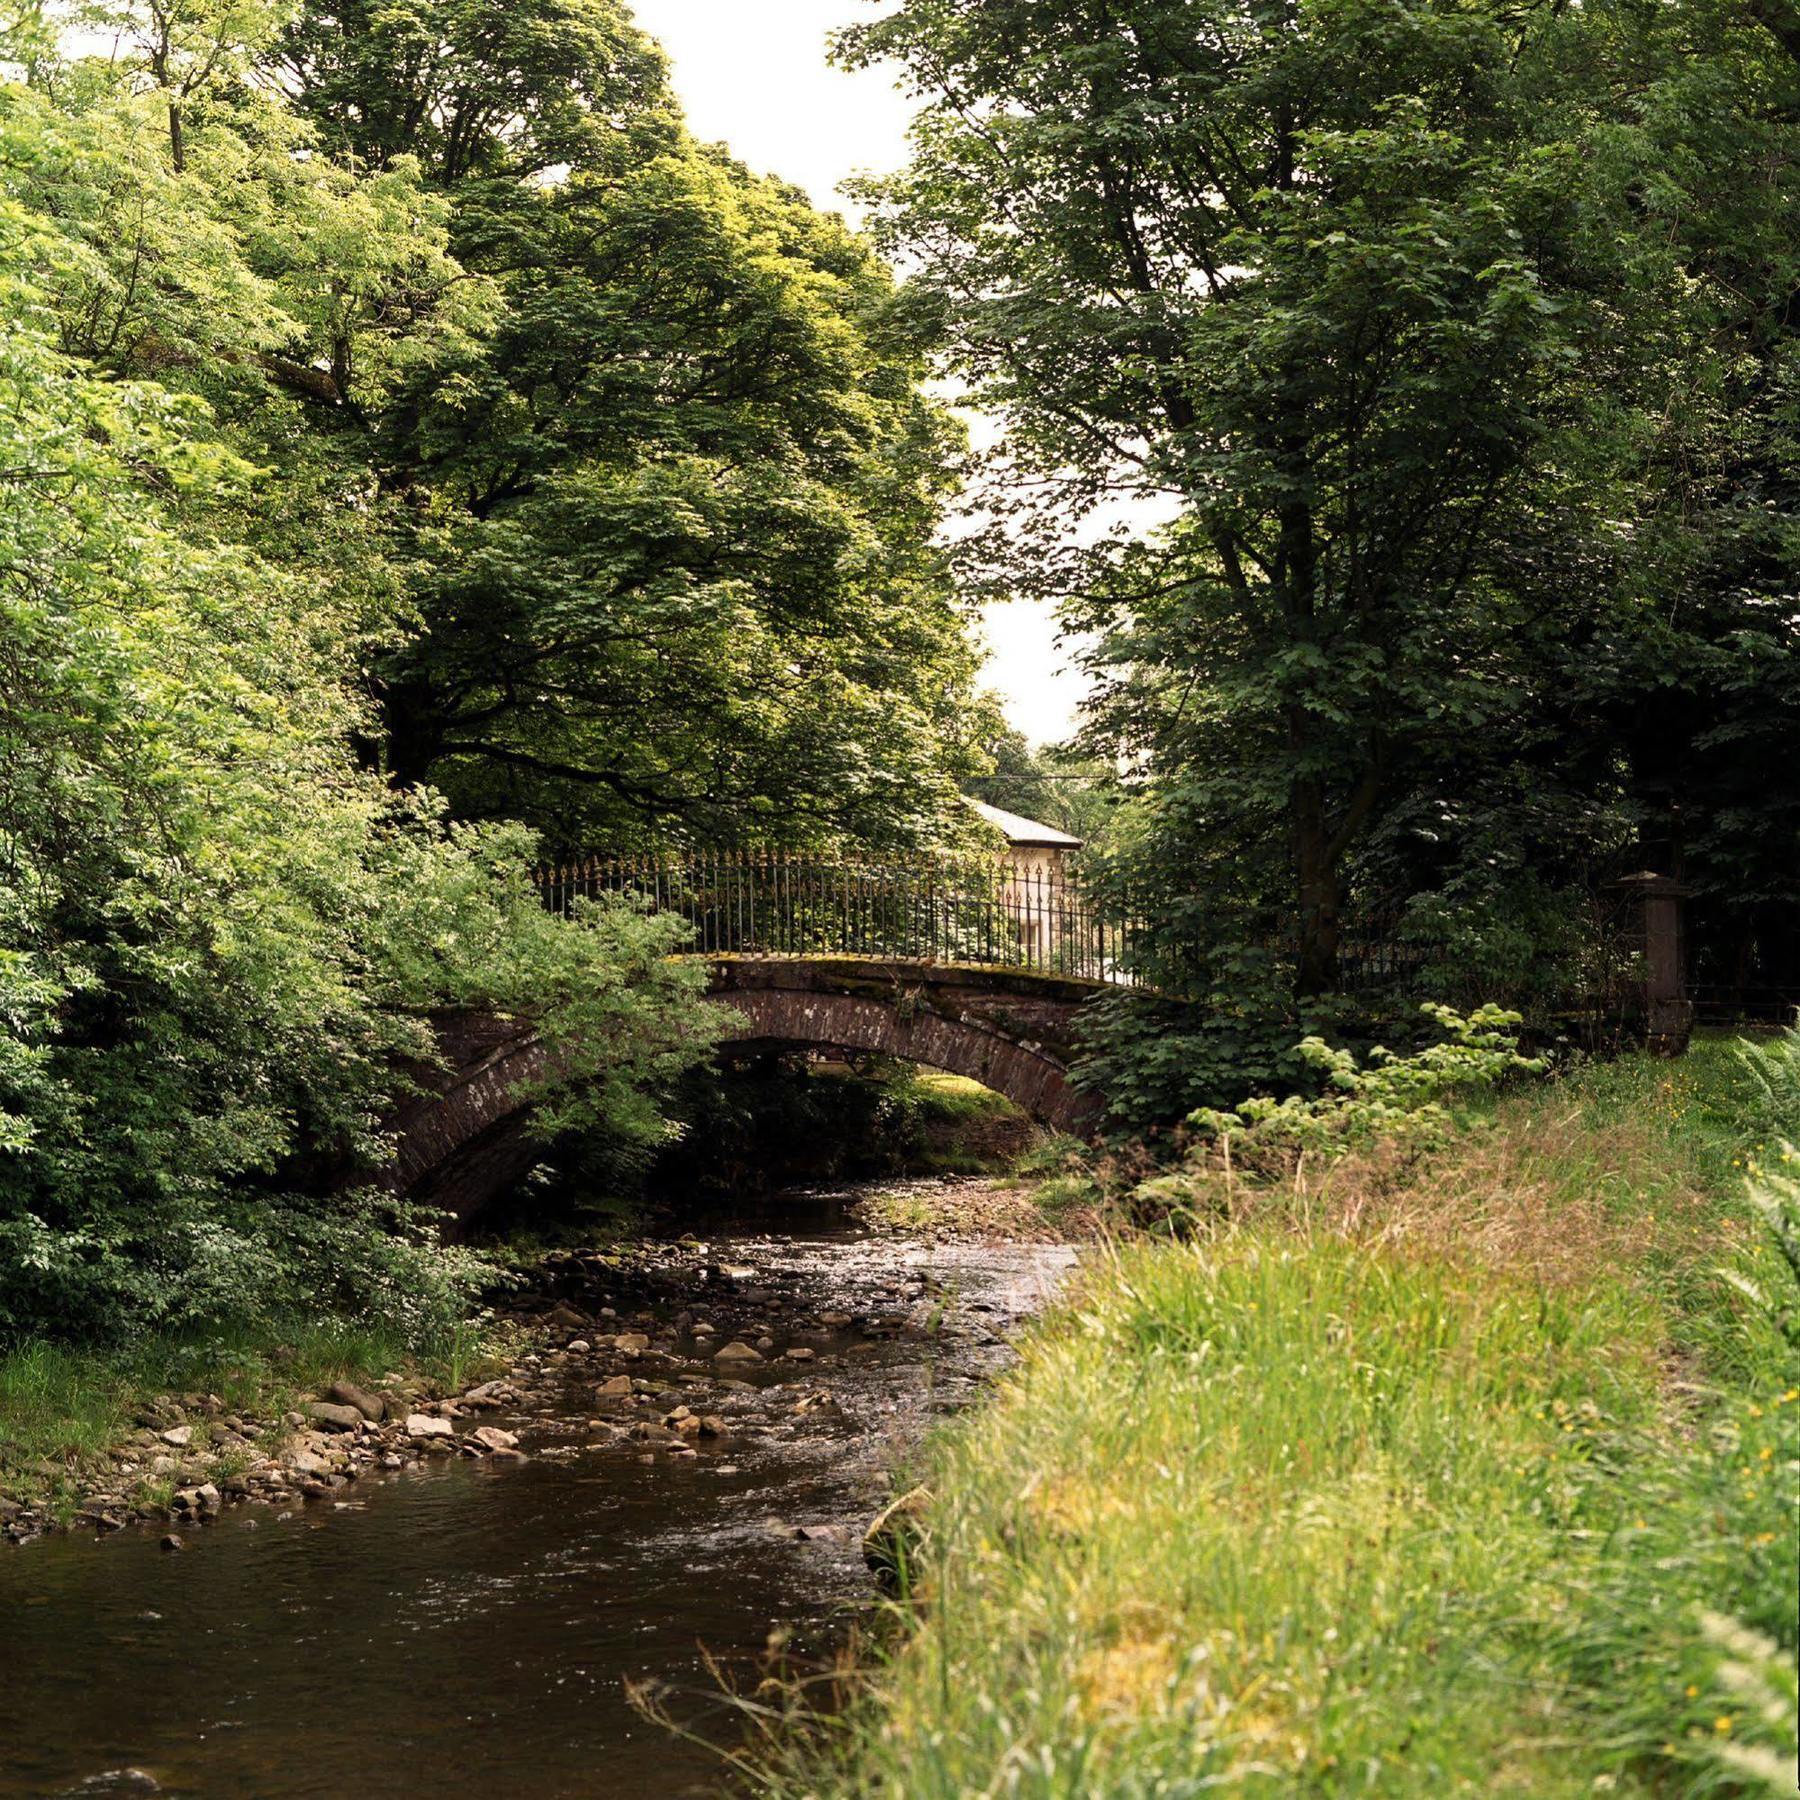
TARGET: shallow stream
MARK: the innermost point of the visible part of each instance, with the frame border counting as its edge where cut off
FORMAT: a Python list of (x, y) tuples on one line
[(471, 1627)]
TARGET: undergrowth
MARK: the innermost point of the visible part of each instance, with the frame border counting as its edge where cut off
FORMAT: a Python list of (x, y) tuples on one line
[(1457, 1466)]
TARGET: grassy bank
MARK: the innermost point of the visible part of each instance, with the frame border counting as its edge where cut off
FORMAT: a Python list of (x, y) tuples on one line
[(1461, 1472), (64, 1408)]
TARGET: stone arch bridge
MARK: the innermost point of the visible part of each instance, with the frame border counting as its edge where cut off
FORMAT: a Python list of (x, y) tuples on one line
[(1009, 1028)]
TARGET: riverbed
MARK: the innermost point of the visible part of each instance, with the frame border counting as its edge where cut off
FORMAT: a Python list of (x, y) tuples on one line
[(478, 1626)]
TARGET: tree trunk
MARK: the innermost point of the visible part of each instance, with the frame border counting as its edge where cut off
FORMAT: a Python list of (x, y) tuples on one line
[(415, 730), (177, 148), (1315, 869)]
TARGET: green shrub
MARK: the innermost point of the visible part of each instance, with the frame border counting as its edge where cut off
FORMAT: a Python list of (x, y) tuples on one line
[(220, 939), (1397, 1098)]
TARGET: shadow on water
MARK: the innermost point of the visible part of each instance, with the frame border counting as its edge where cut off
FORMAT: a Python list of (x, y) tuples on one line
[(468, 1627)]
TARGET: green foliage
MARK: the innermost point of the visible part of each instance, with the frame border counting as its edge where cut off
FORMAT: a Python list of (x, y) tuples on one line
[(1075, 794), (1773, 1072), (219, 941), (1774, 1180), (1764, 1685), (1397, 1099), (1358, 1510), (666, 521), (1455, 347)]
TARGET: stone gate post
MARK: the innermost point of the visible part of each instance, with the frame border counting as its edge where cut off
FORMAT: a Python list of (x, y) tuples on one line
[(1660, 932)]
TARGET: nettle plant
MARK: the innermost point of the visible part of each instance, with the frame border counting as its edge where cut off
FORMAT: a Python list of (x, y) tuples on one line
[(1390, 1097)]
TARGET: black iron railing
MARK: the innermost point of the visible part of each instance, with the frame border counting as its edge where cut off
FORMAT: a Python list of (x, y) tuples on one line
[(1037, 913), (1021, 913)]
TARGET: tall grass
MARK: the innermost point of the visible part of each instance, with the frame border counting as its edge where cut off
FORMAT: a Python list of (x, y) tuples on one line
[(1418, 1480)]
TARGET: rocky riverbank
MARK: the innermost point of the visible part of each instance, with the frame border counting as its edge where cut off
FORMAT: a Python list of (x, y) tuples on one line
[(675, 1351)]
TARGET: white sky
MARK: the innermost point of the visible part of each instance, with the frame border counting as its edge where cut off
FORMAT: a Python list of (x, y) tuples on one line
[(753, 73)]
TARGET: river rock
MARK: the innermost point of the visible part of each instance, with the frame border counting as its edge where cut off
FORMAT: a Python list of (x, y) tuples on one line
[(371, 1406), (491, 1437), (633, 1343), (173, 1540), (423, 1425), (737, 1351), (336, 1418), (799, 1353), (617, 1388), (179, 1435)]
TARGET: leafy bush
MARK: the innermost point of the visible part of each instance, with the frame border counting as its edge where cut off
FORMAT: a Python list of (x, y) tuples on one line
[(1395, 1097), (220, 940), (1401, 1102), (1773, 1071)]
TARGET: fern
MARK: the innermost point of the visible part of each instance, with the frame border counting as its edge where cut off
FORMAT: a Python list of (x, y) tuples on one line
[(1774, 1072)]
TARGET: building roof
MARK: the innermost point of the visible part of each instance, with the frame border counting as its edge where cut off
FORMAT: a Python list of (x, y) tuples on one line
[(1025, 833)]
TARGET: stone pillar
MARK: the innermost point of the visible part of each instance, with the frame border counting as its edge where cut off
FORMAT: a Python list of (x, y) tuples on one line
[(1662, 937)]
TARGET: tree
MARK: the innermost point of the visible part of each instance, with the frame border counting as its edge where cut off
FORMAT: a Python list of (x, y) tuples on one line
[(474, 90), (1073, 793), (677, 573), (1292, 266), (669, 522), (1404, 312), (220, 942), (191, 50)]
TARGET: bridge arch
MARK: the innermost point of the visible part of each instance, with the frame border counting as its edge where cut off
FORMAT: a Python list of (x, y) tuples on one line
[(459, 1145)]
